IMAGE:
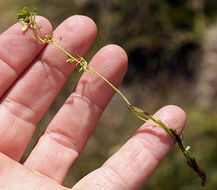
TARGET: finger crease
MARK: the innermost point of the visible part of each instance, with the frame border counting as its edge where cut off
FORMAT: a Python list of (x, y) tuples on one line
[(54, 65), (63, 139), (84, 97), (10, 66), (113, 177), (20, 110), (148, 146)]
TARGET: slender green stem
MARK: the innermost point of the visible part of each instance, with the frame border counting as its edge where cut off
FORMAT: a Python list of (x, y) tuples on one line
[(28, 20), (109, 83), (66, 52)]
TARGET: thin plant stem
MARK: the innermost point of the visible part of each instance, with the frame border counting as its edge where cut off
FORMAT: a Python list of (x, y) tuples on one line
[(28, 20)]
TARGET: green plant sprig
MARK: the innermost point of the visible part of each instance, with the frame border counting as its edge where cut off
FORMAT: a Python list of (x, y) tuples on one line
[(27, 18)]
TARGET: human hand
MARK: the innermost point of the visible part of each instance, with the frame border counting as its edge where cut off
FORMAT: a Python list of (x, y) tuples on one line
[(32, 76)]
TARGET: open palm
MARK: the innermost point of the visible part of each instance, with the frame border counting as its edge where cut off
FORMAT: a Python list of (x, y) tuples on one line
[(31, 76)]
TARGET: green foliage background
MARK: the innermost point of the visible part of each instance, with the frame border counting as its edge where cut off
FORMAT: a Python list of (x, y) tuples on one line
[(164, 41)]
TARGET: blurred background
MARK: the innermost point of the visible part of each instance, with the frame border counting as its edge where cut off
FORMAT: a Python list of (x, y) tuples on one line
[(172, 49)]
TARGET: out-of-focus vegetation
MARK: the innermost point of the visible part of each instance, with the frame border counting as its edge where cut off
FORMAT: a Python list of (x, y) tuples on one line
[(172, 48)]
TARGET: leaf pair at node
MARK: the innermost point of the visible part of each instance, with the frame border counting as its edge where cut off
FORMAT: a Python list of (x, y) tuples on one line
[(28, 18)]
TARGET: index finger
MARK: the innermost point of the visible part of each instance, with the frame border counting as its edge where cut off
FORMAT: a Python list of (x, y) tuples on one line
[(17, 51)]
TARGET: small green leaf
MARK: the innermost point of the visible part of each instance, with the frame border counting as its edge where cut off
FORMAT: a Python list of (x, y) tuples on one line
[(25, 27), (48, 36), (80, 69), (34, 12), (37, 27), (187, 148), (69, 60), (27, 18), (23, 14)]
